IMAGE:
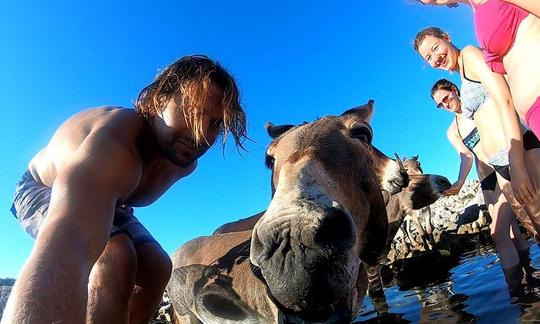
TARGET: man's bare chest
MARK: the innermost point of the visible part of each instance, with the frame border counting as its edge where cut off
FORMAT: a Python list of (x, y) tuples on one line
[(155, 181)]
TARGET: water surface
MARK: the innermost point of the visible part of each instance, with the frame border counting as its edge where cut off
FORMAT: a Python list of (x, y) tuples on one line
[(473, 291)]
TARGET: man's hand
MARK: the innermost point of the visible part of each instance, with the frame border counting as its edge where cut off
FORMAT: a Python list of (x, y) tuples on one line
[(454, 190), (521, 186)]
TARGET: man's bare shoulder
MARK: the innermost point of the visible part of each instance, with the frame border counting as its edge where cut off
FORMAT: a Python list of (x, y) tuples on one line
[(90, 133), (103, 119)]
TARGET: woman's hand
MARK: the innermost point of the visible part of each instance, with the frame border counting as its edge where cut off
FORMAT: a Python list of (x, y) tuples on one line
[(521, 185), (454, 190), (519, 178)]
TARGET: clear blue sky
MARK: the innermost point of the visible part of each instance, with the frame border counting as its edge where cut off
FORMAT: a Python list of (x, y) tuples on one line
[(294, 61)]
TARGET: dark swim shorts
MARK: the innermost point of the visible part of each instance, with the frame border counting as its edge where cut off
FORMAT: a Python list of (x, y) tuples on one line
[(31, 204)]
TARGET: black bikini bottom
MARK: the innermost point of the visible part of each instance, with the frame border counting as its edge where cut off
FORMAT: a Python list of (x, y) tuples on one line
[(530, 141), (489, 182), (503, 170)]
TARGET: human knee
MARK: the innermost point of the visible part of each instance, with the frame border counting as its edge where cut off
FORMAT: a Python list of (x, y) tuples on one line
[(162, 269), (118, 262), (155, 266)]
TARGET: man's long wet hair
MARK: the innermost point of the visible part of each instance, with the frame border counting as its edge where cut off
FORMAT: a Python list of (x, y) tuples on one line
[(188, 82)]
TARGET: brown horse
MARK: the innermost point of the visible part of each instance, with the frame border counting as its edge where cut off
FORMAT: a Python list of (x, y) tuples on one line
[(326, 217), (422, 191)]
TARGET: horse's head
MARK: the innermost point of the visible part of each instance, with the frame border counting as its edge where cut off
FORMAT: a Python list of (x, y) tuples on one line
[(327, 213), (423, 189)]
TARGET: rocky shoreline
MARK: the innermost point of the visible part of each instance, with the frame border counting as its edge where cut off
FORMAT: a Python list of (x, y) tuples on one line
[(458, 224), (453, 220)]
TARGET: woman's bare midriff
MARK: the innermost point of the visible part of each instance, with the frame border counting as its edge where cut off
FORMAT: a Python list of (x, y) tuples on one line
[(489, 127), (465, 126), (522, 64)]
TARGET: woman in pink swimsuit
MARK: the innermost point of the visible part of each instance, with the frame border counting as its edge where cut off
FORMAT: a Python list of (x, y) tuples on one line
[(509, 34), (506, 29), (436, 48)]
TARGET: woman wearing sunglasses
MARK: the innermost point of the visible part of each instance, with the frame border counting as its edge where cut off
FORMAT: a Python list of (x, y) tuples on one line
[(465, 136)]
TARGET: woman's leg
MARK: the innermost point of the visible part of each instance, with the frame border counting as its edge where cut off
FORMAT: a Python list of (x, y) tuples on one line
[(532, 164), (500, 232), (525, 215), (502, 220), (517, 237), (522, 246)]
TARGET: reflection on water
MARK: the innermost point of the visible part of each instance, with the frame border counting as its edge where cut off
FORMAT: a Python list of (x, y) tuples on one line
[(474, 291)]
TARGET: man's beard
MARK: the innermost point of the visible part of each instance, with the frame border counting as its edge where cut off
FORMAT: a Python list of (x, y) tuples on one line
[(182, 159)]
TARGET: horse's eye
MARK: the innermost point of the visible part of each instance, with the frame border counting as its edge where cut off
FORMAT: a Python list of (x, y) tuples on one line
[(361, 132), (269, 161)]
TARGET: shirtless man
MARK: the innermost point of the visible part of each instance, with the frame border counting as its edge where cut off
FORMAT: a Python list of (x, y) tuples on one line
[(92, 260)]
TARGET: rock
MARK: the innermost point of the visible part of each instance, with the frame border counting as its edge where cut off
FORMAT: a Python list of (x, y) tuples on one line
[(164, 313), (462, 214), (5, 289)]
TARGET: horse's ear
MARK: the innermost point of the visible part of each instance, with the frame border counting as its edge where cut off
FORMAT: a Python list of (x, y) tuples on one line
[(276, 130), (364, 112), (415, 158)]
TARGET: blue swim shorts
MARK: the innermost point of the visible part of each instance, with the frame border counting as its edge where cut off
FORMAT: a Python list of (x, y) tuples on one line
[(31, 204)]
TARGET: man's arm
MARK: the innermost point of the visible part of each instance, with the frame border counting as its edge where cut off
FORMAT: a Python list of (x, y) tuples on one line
[(52, 286)]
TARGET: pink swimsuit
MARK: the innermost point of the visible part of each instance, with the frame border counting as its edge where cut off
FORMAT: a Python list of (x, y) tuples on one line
[(532, 118), (496, 25)]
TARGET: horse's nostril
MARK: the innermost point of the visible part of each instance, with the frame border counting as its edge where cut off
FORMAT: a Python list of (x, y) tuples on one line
[(335, 229)]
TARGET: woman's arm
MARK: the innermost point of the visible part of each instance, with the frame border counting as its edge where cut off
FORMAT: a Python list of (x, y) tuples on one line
[(498, 89), (532, 6), (467, 159)]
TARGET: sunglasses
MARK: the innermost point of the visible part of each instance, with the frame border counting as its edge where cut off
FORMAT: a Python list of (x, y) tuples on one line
[(445, 100)]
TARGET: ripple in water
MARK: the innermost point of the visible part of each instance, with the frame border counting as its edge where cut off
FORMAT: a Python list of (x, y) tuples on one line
[(474, 291)]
